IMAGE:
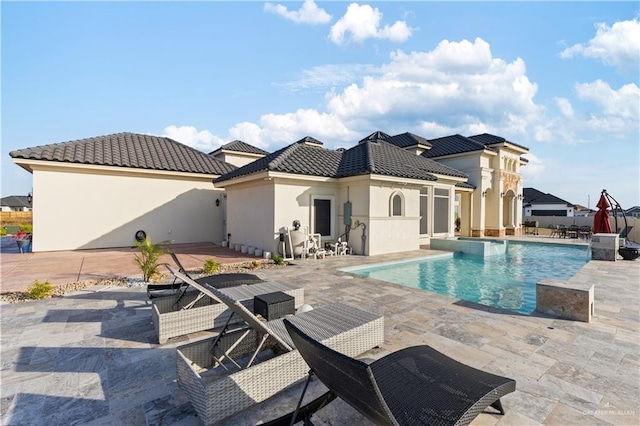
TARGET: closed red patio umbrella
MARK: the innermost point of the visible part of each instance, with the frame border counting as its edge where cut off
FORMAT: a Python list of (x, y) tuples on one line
[(601, 224)]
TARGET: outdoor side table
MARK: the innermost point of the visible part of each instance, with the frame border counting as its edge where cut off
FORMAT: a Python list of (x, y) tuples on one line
[(273, 305)]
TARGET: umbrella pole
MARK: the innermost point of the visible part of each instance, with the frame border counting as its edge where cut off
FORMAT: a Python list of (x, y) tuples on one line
[(618, 206)]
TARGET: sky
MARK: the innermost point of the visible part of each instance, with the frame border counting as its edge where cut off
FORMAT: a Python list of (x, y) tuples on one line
[(561, 78)]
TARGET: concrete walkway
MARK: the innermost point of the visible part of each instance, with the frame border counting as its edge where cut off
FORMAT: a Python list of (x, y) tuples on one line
[(91, 357), (19, 270)]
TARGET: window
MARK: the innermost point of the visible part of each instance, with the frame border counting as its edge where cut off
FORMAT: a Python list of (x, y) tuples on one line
[(322, 215), (424, 211), (440, 211), (396, 207)]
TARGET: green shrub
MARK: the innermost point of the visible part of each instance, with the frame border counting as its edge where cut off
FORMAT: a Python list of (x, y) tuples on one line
[(3, 231), (39, 290), (211, 266), (278, 260), (148, 259)]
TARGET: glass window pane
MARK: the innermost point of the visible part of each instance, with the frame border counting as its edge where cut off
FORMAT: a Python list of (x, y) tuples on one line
[(397, 205), (322, 215), (424, 213), (440, 215)]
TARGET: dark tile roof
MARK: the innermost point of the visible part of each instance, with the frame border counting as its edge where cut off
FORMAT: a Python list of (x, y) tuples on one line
[(297, 158), (365, 158), (128, 150), (533, 196), (487, 139), (15, 201), (239, 146), (465, 185), (375, 136), (310, 140), (455, 144), (406, 140), (385, 159)]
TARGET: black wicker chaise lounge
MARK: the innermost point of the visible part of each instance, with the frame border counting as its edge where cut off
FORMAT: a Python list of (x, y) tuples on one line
[(413, 386), (217, 281)]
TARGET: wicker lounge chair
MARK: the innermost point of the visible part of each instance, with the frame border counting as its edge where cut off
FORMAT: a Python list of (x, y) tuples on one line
[(217, 392), (413, 386), (192, 311)]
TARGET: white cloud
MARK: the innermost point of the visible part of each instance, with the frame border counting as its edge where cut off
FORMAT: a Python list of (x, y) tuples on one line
[(309, 13), (202, 140), (328, 76), (360, 23), (565, 107), (617, 46), (534, 170), (622, 103)]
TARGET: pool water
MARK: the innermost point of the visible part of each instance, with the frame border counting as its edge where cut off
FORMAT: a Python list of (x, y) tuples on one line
[(507, 282)]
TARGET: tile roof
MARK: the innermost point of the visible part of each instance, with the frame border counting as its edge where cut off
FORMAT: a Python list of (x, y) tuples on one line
[(128, 150), (405, 140), (365, 158), (297, 158), (15, 201), (533, 196), (454, 144), (487, 139), (386, 159), (465, 185), (375, 136), (239, 146)]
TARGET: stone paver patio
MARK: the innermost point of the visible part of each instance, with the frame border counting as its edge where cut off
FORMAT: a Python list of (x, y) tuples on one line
[(91, 357)]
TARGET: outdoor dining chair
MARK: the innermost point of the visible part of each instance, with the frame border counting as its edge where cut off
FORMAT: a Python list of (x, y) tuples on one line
[(413, 386)]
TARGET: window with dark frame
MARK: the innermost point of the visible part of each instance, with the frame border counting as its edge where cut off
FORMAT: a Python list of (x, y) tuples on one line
[(322, 216)]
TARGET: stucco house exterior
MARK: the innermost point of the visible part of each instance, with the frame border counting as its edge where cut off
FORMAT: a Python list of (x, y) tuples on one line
[(124, 182), (385, 194)]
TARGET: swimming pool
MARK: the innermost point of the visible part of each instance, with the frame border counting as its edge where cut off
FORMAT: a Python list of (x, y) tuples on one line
[(507, 282)]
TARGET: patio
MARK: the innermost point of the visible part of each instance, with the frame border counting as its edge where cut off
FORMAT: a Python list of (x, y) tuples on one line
[(88, 357)]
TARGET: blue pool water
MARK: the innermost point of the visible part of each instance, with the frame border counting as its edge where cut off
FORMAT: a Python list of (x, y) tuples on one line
[(507, 282)]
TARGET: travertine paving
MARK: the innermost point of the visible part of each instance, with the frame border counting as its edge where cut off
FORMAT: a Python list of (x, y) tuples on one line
[(90, 357)]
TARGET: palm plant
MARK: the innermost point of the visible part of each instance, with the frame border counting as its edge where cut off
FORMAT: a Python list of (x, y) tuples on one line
[(148, 258)]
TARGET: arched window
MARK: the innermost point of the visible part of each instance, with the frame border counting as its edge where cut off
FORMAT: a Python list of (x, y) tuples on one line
[(396, 207)]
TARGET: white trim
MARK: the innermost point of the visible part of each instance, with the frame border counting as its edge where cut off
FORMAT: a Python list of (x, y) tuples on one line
[(312, 217), (391, 197)]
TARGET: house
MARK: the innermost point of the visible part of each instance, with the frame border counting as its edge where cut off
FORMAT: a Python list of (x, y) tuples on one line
[(537, 203), (16, 203), (125, 182), (385, 194), (633, 212), (582, 211)]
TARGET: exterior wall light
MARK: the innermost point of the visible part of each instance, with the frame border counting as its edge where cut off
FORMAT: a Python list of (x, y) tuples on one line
[(217, 202)]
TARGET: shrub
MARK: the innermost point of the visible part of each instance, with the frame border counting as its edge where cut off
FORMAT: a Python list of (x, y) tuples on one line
[(211, 266), (254, 264), (148, 258), (278, 260), (39, 290), (3, 231)]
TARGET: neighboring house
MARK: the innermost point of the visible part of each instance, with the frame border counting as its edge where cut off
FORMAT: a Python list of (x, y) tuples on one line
[(238, 153), (15, 203), (582, 211), (125, 182), (383, 195), (633, 212), (537, 203)]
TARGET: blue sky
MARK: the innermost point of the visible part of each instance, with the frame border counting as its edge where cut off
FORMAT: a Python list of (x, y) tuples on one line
[(559, 78)]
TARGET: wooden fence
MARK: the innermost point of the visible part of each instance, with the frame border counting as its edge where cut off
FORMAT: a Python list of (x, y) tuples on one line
[(16, 218)]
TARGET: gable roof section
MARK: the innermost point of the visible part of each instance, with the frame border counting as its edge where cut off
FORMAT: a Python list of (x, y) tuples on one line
[(488, 139), (15, 201), (128, 150), (383, 158), (533, 196), (455, 144), (406, 140), (375, 137), (239, 146), (297, 158)]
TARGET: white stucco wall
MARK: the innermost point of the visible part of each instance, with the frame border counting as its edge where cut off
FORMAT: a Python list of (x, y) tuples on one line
[(237, 159), (250, 214), (100, 207)]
